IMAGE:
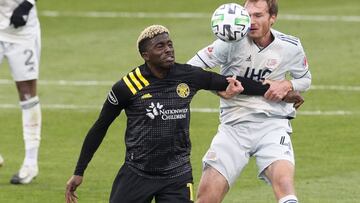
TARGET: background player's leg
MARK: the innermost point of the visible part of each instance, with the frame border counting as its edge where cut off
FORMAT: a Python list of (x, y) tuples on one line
[(2, 51), (31, 122)]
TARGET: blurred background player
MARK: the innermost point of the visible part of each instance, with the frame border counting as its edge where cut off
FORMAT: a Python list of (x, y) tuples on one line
[(253, 126), (20, 45)]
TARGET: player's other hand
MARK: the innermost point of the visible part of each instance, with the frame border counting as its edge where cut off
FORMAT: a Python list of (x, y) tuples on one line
[(71, 185), (294, 97), (277, 90), (234, 88), (21, 14)]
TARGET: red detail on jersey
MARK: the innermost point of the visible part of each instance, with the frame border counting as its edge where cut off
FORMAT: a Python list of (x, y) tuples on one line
[(210, 49), (305, 62), (271, 63)]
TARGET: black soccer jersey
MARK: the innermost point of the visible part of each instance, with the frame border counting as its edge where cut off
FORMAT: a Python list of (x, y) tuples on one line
[(158, 118)]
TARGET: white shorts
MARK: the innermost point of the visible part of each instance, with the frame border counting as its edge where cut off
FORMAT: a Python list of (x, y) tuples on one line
[(232, 147), (23, 59)]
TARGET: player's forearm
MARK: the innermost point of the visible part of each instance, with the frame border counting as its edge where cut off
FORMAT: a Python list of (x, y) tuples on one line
[(91, 144), (95, 136), (302, 84), (252, 87), (196, 61)]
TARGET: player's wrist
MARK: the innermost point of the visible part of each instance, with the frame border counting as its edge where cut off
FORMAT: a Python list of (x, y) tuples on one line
[(289, 85)]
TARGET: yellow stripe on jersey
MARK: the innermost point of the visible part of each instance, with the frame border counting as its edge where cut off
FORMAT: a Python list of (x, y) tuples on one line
[(137, 83), (191, 190), (138, 74), (130, 86)]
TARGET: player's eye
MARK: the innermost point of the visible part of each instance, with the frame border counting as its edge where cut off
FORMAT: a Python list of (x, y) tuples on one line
[(159, 46)]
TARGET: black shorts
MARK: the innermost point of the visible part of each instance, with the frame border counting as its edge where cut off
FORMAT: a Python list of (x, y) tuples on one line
[(128, 187)]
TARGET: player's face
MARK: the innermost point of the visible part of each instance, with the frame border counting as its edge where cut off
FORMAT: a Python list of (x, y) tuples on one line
[(261, 20), (160, 52)]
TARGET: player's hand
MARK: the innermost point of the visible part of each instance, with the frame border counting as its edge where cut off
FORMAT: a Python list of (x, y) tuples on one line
[(277, 90), (20, 14), (71, 185), (232, 89), (294, 97)]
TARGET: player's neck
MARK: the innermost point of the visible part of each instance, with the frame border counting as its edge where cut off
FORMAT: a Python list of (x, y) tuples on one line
[(158, 72)]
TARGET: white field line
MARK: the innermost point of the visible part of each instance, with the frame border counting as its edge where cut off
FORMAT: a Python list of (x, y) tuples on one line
[(110, 83), (200, 110), (104, 14)]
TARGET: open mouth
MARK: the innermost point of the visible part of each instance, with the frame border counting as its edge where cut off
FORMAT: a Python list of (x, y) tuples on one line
[(170, 58)]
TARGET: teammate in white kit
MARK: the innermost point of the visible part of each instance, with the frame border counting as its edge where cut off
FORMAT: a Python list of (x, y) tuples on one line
[(20, 45), (253, 125)]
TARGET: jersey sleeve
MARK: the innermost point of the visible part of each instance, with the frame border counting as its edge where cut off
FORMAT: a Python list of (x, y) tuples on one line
[(299, 71), (213, 81), (211, 56), (117, 99)]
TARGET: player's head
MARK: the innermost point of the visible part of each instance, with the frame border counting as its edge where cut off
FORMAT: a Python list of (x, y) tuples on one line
[(156, 47), (263, 15)]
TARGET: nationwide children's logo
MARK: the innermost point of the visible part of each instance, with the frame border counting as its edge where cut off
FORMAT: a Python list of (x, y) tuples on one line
[(158, 109), (183, 90), (154, 110)]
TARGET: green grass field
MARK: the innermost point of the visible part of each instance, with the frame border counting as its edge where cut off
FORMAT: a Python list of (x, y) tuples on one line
[(80, 48)]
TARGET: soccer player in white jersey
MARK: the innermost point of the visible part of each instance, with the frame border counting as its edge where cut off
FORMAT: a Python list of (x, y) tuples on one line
[(20, 45), (253, 126)]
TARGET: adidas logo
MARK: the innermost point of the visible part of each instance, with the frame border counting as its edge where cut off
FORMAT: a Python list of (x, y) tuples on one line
[(146, 96)]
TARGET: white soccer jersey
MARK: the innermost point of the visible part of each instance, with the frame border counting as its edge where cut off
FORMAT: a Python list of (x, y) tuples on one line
[(244, 58), (21, 34)]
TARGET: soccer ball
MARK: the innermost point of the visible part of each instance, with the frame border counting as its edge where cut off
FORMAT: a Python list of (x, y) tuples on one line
[(230, 22)]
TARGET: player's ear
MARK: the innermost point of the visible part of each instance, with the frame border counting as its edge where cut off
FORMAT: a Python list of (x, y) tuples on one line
[(145, 55), (272, 19)]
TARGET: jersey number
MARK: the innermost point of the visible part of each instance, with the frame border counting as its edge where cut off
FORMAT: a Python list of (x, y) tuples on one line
[(191, 189), (30, 55)]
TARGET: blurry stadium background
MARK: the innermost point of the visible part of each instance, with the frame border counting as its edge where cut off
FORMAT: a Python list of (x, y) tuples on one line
[(88, 45)]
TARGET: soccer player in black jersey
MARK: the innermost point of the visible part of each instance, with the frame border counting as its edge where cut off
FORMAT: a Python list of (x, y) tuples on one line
[(156, 99)]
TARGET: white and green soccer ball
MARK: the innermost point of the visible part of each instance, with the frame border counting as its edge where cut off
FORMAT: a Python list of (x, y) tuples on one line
[(230, 22)]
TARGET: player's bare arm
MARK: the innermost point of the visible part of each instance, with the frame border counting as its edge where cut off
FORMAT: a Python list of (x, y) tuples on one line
[(294, 97)]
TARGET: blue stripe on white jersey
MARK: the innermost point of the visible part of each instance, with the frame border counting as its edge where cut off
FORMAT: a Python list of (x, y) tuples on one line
[(288, 38)]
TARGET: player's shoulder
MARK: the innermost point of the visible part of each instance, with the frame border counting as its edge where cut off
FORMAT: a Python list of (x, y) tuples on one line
[(286, 39), (186, 68), (134, 81)]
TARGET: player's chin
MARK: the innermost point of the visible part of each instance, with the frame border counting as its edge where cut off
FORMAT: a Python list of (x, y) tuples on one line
[(169, 61), (252, 33), (167, 65)]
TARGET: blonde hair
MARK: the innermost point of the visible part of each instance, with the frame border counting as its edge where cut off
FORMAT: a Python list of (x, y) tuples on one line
[(149, 33)]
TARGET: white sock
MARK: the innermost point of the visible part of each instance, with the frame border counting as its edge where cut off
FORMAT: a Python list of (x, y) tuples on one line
[(31, 118), (289, 199)]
